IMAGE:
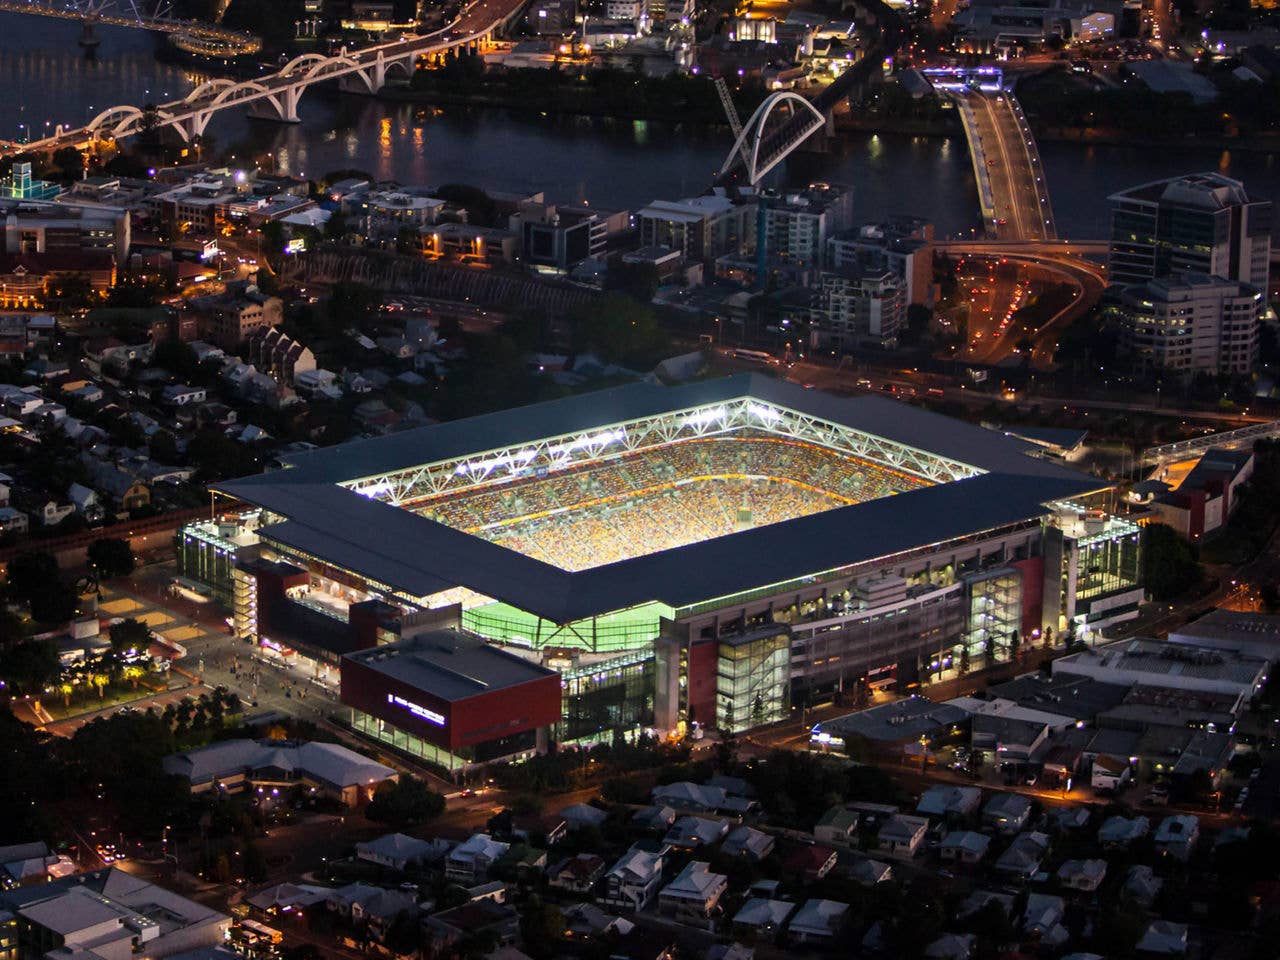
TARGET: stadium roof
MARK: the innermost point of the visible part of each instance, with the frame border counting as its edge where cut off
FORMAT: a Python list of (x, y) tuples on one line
[(419, 556)]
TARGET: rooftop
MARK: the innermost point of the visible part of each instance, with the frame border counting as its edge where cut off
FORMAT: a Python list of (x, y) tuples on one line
[(449, 665), (421, 557)]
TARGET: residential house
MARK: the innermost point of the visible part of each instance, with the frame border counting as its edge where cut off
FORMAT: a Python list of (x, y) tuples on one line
[(760, 918), (1118, 832), (577, 874), (376, 912), (12, 521), (339, 900), (584, 922), (693, 897), (1007, 812), (1163, 938), (748, 843), (540, 830), (24, 863), (810, 862), (1024, 856), (1083, 875), (633, 881), (580, 815), (964, 846), (1177, 835), (288, 899), (86, 502), (690, 833), (690, 796), (477, 918), (868, 872), (817, 921), (901, 835), (395, 850), (123, 489), (276, 353), (182, 395), (838, 826), (472, 859), (1141, 885), (653, 819), (945, 800), (1069, 819), (1042, 919)]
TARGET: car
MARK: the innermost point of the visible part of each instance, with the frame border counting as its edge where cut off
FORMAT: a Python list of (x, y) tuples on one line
[(1156, 798)]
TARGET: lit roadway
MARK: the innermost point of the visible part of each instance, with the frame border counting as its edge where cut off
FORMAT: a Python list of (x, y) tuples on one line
[(1086, 278), (1008, 151), (282, 89)]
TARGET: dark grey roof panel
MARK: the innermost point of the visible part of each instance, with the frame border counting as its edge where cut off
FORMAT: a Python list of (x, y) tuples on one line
[(879, 416), (422, 556)]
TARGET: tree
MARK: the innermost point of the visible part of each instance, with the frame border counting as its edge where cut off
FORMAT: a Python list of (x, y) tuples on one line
[(100, 680), (111, 557), (1169, 565), (133, 674), (70, 162), (31, 572), (129, 634), (403, 802), (30, 666)]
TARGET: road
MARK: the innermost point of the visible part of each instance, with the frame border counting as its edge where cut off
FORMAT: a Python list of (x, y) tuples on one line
[(1007, 149), (278, 93)]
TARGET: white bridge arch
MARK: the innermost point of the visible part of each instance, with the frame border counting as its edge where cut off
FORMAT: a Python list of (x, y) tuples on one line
[(801, 120)]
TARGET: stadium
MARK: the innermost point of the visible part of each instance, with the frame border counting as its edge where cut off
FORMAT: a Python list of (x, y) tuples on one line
[(708, 554)]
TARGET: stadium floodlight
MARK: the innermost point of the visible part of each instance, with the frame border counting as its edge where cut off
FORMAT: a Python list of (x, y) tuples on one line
[(520, 458), (595, 440), (764, 413), (706, 416)]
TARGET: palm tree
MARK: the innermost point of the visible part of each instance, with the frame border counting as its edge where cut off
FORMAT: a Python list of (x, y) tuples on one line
[(100, 680)]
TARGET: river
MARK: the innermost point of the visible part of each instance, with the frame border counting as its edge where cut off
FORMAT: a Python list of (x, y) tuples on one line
[(607, 163)]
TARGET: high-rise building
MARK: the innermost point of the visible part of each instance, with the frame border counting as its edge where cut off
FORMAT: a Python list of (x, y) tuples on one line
[(1192, 324), (857, 307), (797, 224), (1202, 223), (902, 245)]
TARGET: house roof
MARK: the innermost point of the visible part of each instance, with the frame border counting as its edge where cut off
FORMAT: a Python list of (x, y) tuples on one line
[(759, 912), (819, 916)]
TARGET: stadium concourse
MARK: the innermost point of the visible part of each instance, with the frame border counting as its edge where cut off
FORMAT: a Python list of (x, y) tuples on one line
[(667, 497), (709, 554)]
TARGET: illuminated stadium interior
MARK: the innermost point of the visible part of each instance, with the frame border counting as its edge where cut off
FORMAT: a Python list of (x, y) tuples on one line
[(601, 511), (585, 522)]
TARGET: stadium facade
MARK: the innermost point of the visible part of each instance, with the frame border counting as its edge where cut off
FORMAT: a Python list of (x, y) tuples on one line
[(715, 554)]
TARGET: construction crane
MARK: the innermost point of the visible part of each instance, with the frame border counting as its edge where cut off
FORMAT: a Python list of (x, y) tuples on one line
[(730, 111)]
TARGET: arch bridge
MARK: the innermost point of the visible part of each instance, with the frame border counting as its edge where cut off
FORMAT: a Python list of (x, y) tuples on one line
[(143, 14), (277, 96)]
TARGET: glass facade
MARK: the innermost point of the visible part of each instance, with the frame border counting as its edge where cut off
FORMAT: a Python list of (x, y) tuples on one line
[(207, 557), (632, 629), (603, 700), (753, 674), (1107, 559), (995, 615), (518, 747)]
